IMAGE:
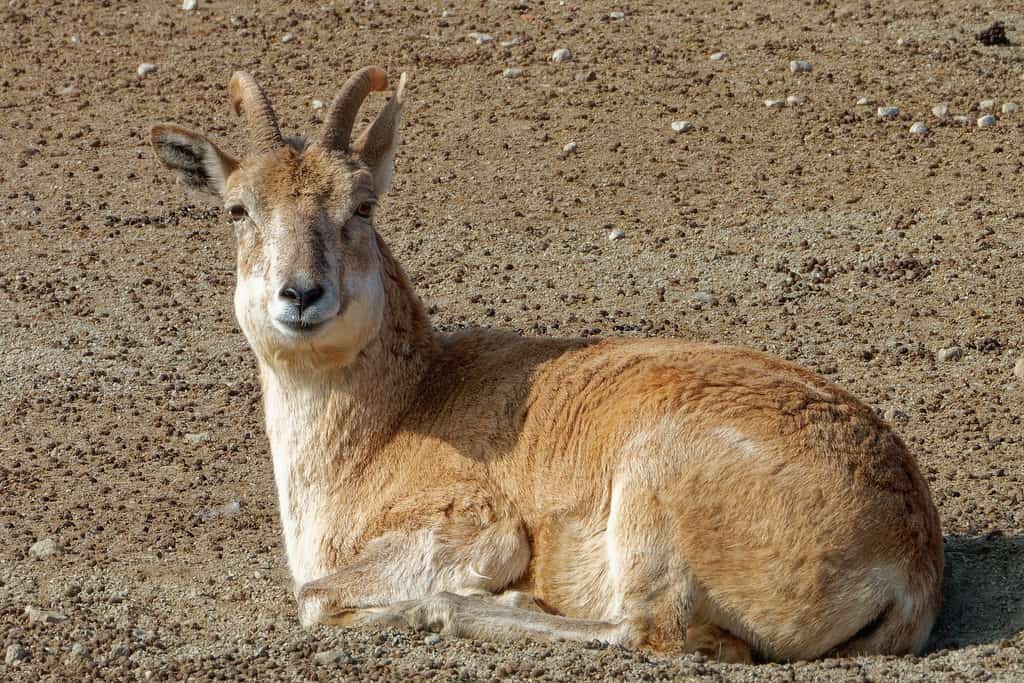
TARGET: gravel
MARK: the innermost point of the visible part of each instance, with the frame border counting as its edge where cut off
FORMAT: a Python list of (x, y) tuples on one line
[(288, 38), (512, 72), (569, 148), (682, 126), (145, 69), (616, 234), (986, 121), (800, 66), (888, 112), (794, 100), (940, 110), (15, 653), (987, 105), (865, 101), (481, 38), (919, 128), (718, 56), (775, 104), (1010, 108)]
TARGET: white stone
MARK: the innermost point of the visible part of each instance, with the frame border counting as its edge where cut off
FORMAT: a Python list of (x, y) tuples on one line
[(799, 66), (1010, 107), (941, 110), (865, 101), (512, 72), (950, 353), (719, 56), (902, 42), (1018, 369), (69, 91), (987, 105), (38, 616), (288, 37), (318, 104), (447, 12), (199, 437), (775, 104), (618, 16), (569, 148), (560, 55), (44, 548), (701, 300), (15, 653), (919, 128), (616, 234), (962, 119), (888, 112), (986, 121), (189, 5), (481, 38), (509, 43), (145, 68), (682, 126), (75, 40), (794, 101)]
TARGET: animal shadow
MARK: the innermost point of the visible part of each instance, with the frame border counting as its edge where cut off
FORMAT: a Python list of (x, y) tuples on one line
[(982, 593)]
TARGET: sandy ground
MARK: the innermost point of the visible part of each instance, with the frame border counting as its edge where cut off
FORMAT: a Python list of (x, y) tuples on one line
[(129, 405)]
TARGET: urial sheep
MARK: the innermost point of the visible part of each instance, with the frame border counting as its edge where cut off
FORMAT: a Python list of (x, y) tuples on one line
[(651, 493)]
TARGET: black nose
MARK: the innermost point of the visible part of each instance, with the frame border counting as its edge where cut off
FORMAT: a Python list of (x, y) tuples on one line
[(303, 297)]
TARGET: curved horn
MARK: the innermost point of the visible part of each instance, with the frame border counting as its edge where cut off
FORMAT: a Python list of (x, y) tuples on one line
[(338, 125), (246, 95), (379, 137)]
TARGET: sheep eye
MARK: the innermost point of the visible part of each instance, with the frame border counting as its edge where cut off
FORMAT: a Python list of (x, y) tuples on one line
[(365, 210), (237, 212)]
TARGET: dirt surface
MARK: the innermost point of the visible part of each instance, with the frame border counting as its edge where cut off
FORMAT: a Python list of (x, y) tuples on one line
[(129, 405)]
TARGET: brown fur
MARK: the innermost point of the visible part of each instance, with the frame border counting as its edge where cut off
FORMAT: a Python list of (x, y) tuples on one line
[(656, 493)]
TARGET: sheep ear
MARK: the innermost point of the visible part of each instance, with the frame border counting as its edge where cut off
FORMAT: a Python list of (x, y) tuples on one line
[(379, 142), (198, 162)]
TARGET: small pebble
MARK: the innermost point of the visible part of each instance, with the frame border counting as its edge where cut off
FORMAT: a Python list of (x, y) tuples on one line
[(145, 68), (775, 104), (586, 76), (902, 42), (569, 148), (447, 12), (69, 91), (75, 40), (189, 5), (919, 128), (719, 56), (512, 72), (986, 121), (799, 66), (47, 547), (616, 234), (894, 415), (229, 509), (1010, 107), (202, 437), (618, 16), (702, 300), (794, 101), (288, 37), (120, 650), (950, 353), (560, 55), (509, 43), (888, 112), (865, 101), (318, 104), (333, 657), (1018, 369), (432, 639), (481, 38), (80, 650), (38, 616), (682, 126), (941, 110), (987, 105), (962, 119), (15, 653)]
